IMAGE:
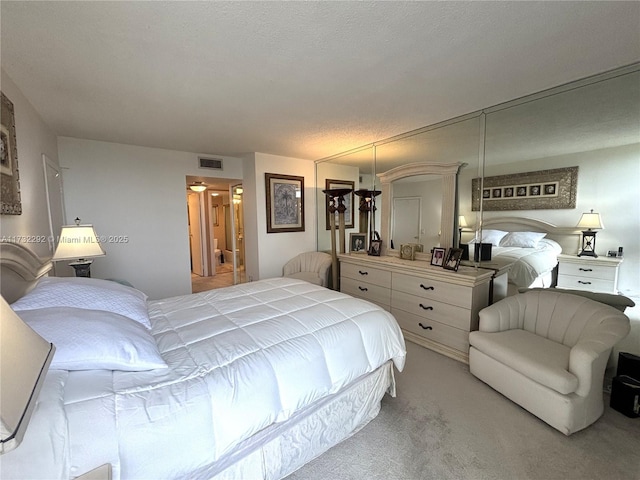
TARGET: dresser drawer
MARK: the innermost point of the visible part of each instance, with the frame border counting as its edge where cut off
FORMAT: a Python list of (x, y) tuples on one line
[(431, 309), (432, 330), (587, 271), (433, 289), (586, 283), (374, 293), (375, 276)]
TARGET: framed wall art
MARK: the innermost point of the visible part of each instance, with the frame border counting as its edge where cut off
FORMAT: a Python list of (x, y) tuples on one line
[(10, 181), (541, 190), (348, 202), (285, 203)]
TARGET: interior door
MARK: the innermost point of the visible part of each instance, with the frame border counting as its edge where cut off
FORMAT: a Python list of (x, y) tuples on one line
[(405, 229), (195, 237)]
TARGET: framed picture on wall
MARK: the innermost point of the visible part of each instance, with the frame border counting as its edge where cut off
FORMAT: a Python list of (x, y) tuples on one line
[(285, 203), (348, 202), (11, 203)]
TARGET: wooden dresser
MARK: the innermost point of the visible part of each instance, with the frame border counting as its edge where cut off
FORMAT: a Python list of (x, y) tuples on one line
[(436, 308)]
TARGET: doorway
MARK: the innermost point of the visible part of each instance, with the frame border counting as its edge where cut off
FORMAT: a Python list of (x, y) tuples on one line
[(404, 228), (216, 230)]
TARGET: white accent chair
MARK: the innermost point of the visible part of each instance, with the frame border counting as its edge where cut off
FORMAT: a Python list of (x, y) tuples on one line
[(314, 267), (547, 351)]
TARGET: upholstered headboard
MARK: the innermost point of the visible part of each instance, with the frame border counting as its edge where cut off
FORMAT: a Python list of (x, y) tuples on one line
[(20, 268), (567, 237)]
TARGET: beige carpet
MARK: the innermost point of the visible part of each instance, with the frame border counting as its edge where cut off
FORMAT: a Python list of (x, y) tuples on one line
[(446, 424)]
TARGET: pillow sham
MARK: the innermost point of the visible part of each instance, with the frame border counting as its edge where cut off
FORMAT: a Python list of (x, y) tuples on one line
[(491, 236), (522, 239), (94, 339), (87, 293)]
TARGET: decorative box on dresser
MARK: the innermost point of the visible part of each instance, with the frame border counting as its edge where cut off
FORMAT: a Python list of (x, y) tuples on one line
[(436, 308), (597, 274)]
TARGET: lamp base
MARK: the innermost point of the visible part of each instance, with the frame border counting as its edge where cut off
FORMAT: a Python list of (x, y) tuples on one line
[(588, 244), (82, 268)]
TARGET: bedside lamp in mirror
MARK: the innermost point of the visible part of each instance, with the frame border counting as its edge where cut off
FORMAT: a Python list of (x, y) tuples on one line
[(80, 244), (24, 360), (589, 223)]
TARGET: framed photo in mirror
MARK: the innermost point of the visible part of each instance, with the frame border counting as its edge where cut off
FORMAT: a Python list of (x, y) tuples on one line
[(452, 261), (348, 202)]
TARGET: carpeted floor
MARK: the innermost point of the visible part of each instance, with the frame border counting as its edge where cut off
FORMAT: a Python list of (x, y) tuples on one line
[(446, 424)]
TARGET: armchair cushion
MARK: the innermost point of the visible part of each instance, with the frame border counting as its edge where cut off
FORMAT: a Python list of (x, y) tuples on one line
[(535, 357)]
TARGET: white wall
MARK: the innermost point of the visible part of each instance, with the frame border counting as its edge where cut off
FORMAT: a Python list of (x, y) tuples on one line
[(137, 192), (273, 250), (33, 138)]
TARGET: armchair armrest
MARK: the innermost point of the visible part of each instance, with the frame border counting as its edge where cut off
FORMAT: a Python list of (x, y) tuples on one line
[(503, 315), (588, 358)]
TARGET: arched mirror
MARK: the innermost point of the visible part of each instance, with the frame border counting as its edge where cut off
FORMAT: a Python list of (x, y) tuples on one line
[(424, 191)]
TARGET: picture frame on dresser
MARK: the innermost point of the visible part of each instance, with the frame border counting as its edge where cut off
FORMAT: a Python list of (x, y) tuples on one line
[(358, 242), (452, 260), (437, 256)]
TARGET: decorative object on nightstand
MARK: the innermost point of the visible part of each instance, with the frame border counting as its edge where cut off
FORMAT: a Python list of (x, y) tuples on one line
[(80, 243), (589, 223)]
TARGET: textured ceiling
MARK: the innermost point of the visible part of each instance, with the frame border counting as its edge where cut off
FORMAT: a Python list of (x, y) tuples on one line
[(304, 79)]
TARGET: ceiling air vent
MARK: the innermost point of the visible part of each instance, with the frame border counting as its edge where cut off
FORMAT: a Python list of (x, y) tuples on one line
[(213, 163)]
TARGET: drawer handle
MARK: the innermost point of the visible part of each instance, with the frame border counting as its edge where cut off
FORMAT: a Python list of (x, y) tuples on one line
[(425, 308), (363, 289), (363, 273), (426, 288), (586, 269), (584, 283), (426, 328)]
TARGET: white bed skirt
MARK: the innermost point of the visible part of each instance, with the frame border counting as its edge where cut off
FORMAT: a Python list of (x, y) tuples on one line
[(280, 450)]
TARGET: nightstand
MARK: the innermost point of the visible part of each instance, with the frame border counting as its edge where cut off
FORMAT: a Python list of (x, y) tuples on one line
[(598, 274)]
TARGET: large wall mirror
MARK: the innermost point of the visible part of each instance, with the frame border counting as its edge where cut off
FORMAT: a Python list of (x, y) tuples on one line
[(592, 124)]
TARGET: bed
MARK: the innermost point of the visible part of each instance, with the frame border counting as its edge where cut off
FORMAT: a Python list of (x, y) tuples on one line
[(251, 381), (531, 248)]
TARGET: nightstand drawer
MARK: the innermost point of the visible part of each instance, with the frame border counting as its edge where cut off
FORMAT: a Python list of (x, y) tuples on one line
[(585, 283), (431, 309), (588, 271), (367, 274), (432, 330), (368, 291)]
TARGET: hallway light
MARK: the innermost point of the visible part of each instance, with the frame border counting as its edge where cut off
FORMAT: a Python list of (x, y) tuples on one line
[(198, 186)]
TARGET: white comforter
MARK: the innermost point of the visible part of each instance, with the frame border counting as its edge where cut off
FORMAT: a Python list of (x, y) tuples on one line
[(527, 263), (240, 359)]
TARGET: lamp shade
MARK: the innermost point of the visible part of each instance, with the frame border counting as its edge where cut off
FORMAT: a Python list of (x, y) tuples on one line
[(76, 242), (590, 221), (462, 222), (24, 360)]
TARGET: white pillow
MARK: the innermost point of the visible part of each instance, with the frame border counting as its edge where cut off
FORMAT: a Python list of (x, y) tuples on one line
[(522, 239), (94, 339), (491, 236), (87, 293)]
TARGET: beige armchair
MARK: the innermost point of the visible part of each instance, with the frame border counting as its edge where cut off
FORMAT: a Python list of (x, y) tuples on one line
[(547, 351), (313, 267)]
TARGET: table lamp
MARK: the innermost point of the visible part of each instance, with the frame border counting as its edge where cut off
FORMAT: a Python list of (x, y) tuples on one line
[(589, 222), (79, 243), (24, 360)]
